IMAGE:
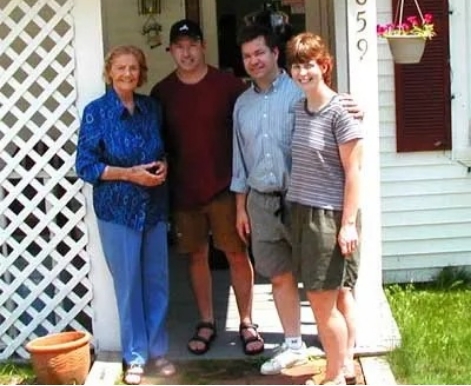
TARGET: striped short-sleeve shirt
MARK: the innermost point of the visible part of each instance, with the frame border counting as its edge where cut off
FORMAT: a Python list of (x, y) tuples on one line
[(317, 176)]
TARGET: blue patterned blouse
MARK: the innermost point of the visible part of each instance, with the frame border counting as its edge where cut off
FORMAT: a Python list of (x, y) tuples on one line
[(110, 135)]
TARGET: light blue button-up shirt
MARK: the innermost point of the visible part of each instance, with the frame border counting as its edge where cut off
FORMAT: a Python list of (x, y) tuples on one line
[(263, 128)]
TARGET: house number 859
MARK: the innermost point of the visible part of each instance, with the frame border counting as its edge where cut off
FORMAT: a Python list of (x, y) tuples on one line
[(362, 43)]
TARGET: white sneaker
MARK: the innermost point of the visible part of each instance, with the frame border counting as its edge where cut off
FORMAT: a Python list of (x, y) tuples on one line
[(284, 359)]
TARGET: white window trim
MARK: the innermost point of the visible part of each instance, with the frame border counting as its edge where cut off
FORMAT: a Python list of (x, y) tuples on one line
[(460, 54)]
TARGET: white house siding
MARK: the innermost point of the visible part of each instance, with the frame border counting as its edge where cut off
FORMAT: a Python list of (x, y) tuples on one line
[(426, 196)]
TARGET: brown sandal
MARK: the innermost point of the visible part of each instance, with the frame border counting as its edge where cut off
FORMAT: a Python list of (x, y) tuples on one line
[(250, 339), (199, 338)]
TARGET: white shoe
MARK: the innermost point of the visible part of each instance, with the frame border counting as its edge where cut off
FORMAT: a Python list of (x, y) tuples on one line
[(284, 359)]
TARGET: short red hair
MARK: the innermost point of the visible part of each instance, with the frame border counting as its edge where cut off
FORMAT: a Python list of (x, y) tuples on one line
[(306, 47)]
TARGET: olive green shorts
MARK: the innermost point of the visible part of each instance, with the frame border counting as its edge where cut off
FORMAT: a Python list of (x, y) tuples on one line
[(316, 252), (218, 218)]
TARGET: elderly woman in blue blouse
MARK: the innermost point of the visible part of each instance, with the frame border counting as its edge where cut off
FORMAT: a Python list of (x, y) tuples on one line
[(120, 152)]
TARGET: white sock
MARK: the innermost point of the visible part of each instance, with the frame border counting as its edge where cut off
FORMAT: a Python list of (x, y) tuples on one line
[(294, 343)]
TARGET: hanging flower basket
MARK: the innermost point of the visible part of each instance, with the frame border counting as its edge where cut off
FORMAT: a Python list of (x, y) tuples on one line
[(406, 49), (407, 39), (61, 359)]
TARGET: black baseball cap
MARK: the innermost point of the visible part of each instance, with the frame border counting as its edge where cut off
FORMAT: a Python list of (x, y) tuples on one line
[(186, 28)]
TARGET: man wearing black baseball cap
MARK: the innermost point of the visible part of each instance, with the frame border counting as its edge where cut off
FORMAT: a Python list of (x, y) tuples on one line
[(197, 102), (185, 28)]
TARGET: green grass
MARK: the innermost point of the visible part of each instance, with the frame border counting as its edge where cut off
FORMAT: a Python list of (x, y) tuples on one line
[(16, 374), (434, 322)]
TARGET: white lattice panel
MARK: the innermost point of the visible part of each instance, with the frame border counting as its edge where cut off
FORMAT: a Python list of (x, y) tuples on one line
[(44, 285)]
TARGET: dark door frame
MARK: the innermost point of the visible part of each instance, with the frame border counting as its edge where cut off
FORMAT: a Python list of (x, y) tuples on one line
[(192, 10)]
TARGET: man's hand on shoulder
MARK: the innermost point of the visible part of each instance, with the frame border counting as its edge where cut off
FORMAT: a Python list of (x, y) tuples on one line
[(352, 106)]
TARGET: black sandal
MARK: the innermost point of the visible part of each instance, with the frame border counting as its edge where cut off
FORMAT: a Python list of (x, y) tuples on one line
[(250, 339), (198, 338)]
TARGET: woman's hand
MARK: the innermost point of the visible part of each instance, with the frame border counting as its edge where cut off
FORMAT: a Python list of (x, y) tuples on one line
[(152, 174), (159, 168), (348, 239)]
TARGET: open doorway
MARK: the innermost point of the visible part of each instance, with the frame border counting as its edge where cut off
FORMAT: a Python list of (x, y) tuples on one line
[(286, 18), (221, 20)]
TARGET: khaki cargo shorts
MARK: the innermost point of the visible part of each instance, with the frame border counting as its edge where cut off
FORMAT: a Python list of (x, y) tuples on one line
[(193, 227), (270, 238)]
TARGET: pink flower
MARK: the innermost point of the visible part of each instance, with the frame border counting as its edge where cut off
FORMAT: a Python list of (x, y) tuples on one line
[(404, 26), (413, 20), (428, 18), (413, 26)]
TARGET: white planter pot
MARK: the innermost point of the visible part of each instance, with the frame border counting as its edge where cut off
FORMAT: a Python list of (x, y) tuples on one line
[(406, 49)]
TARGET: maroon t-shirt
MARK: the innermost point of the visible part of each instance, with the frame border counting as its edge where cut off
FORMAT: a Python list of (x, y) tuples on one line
[(198, 132)]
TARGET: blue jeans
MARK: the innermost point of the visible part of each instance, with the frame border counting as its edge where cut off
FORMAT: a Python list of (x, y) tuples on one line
[(138, 262)]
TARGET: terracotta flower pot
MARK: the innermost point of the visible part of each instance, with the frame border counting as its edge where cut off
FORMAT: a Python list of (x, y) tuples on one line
[(62, 358), (406, 49)]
